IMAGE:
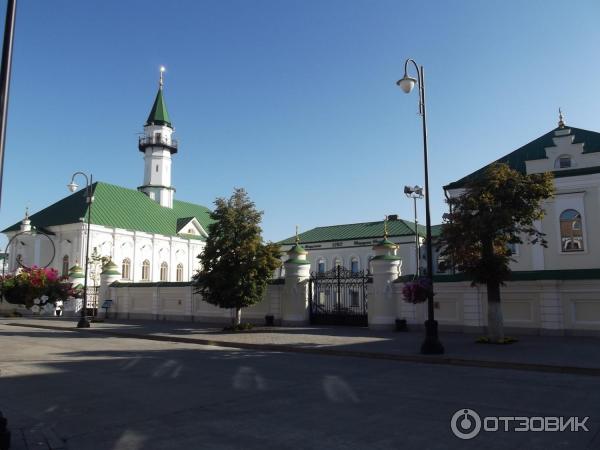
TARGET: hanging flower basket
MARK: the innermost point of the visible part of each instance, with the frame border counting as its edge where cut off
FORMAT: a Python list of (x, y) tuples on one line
[(35, 286), (417, 291)]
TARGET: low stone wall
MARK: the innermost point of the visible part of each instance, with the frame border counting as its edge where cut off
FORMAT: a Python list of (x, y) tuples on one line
[(560, 307), (177, 301), (534, 303)]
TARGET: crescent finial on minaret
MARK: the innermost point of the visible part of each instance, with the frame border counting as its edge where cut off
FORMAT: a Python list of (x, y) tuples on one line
[(160, 81), (561, 119)]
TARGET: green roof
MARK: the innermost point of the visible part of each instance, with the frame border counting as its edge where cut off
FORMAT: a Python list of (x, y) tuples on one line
[(182, 222), (364, 230), (119, 207), (436, 230), (536, 149), (158, 114)]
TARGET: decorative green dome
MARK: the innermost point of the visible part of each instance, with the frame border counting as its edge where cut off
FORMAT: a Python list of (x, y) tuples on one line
[(110, 268), (298, 250), (76, 272), (297, 261), (386, 243)]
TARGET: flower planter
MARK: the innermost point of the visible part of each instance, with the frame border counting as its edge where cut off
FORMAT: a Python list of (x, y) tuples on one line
[(401, 325)]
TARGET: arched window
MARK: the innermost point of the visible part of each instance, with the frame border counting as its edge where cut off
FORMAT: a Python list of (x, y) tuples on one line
[(146, 270), (126, 269), (563, 162), (354, 265), (65, 266), (571, 232), (179, 272), (337, 262), (164, 271)]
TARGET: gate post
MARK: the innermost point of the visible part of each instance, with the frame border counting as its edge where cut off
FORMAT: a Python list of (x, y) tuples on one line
[(294, 304), (110, 273), (71, 307), (386, 265)]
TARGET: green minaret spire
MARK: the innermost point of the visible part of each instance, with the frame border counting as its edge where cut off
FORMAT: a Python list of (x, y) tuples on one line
[(158, 114)]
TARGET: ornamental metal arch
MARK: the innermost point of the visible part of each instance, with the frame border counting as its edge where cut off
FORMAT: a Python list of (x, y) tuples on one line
[(32, 232), (338, 297)]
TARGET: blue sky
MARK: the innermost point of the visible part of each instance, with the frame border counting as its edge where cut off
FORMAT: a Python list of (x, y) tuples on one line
[(293, 100)]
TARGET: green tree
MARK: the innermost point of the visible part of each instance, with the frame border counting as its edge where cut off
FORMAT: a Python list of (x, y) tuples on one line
[(496, 209), (235, 264)]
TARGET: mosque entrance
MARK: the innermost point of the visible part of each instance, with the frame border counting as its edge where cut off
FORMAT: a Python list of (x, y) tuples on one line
[(338, 297)]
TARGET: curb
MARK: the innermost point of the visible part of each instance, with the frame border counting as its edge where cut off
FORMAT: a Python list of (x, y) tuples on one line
[(422, 359)]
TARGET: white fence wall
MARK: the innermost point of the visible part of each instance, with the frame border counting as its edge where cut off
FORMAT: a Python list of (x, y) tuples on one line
[(533, 307), (178, 302), (540, 307)]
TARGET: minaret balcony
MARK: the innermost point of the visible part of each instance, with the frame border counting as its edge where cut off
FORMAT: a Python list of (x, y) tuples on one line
[(156, 141)]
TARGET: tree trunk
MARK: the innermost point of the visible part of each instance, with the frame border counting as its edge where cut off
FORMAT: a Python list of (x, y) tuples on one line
[(238, 316), (495, 320)]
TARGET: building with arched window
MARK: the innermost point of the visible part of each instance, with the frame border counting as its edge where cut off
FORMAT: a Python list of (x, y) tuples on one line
[(572, 216), (137, 228)]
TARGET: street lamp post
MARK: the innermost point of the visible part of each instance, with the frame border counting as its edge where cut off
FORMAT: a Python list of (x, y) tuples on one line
[(415, 193), (83, 322), (431, 344)]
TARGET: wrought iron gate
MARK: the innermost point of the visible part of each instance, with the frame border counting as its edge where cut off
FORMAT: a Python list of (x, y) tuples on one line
[(338, 297)]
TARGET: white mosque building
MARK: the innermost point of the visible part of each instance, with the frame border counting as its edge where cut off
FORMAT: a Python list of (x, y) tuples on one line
[(149, 235)]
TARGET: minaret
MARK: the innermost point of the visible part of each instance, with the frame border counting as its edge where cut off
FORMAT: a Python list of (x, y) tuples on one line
[(158, 145)]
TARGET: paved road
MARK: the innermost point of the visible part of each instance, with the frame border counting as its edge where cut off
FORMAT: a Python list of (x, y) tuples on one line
[(74, 391)]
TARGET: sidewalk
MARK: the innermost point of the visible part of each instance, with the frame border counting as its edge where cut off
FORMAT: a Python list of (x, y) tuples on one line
[(574, 355)]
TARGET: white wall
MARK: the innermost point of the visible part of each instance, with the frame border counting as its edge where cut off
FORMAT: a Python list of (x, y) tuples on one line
[(181, 303), (541, 307)]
